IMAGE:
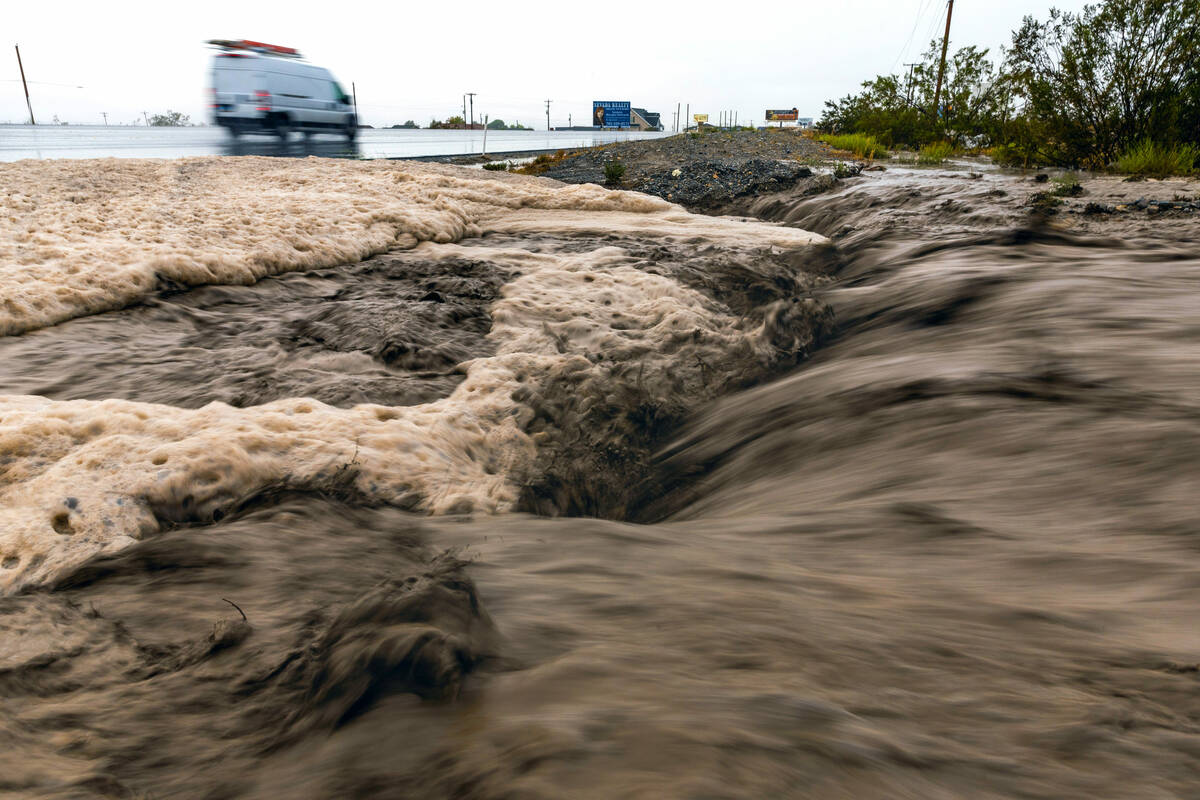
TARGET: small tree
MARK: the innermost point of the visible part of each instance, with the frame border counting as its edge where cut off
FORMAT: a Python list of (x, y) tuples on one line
[(171, 119), (497, 125), (613, 172)]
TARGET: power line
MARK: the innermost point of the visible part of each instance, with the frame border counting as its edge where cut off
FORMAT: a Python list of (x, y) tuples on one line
[(931, 33), (924, 7)]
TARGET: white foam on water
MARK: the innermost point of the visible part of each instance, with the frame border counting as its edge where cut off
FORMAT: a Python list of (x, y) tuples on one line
[(81, 477), (79, 237)]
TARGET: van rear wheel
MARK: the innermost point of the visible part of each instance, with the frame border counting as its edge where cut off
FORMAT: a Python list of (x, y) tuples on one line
[(283, 128)]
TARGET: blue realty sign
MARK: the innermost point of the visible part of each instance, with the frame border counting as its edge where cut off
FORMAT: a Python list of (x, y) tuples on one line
[(610, 113)]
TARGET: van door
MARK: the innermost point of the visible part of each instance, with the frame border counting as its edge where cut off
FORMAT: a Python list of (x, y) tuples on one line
[(331, 115)]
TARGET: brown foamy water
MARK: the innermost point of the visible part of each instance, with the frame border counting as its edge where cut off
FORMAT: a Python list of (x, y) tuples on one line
[(942, 546)]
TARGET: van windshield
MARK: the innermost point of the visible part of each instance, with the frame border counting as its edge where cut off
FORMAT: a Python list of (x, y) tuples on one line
[(339, 92)]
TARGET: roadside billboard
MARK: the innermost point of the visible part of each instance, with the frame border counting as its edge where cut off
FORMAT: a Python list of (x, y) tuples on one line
[(782, 115), (610, 113), (698, 118)]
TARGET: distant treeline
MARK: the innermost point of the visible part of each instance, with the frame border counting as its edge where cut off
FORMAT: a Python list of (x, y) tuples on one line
[(459, 122), (1081, 90)]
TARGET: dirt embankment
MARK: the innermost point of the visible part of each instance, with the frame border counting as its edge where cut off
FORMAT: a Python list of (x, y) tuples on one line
[(701, 171)]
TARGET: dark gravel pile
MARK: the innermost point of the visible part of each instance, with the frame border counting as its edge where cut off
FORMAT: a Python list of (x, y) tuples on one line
[(700, 171)]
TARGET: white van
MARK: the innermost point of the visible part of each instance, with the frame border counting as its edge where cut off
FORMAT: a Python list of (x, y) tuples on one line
[(265, 88)]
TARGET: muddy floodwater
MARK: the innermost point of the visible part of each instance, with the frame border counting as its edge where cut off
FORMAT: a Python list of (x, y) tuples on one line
[(371, 480)]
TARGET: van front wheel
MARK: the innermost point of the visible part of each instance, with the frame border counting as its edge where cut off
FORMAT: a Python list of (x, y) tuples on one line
[(351, 133), (282, 129)]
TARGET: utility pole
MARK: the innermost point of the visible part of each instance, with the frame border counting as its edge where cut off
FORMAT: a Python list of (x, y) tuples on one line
[(687, 115), (354, 97), (472, 96), (548, 114), (678, 119), (570, 124), (105, 115), (26, 85), (735, 118), (908, 92), (937, 93), (464, 117)]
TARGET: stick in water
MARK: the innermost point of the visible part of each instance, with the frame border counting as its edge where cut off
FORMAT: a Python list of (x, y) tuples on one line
[(239, 609)]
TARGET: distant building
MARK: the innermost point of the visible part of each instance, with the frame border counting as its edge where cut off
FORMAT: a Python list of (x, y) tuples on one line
[(644, 120)]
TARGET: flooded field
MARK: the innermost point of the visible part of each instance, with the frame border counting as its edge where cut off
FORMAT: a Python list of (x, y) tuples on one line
[(335, 479)]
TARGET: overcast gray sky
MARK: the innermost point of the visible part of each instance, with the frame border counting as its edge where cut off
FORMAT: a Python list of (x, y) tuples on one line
[(414, 60)]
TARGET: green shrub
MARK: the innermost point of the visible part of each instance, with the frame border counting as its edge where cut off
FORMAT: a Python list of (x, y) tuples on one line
[(1013, 155), (1158, 161), (935, 153), (1067, 185), (496, 166), (613, 172), (860, 144)]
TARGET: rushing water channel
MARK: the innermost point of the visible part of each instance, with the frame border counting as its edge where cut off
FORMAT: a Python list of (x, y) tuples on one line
[(912, 512)]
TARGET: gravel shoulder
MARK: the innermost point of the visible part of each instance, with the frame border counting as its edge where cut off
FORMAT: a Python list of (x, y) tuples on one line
[(702, 171)]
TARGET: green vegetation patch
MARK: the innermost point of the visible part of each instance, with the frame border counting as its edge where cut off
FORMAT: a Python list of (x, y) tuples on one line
[(1153, 160), (542, 163), (860, 144), (935, 153), (613, 172)]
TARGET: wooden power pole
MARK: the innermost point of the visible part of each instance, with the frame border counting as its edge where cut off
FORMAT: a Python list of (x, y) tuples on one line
[(937, 93), (548, 115), (26, 85), (908, 88)]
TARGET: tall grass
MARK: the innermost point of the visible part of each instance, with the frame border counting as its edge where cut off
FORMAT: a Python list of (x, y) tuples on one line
[(1158, 161), (935, 153), (860, 144)]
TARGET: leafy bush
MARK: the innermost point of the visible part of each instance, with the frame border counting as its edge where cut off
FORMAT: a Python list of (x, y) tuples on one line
[(1158, 161), (497, 166), (935, 153), (613, 172)]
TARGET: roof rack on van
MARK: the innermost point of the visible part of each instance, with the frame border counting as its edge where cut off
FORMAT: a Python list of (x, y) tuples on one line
[(256, 47)]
